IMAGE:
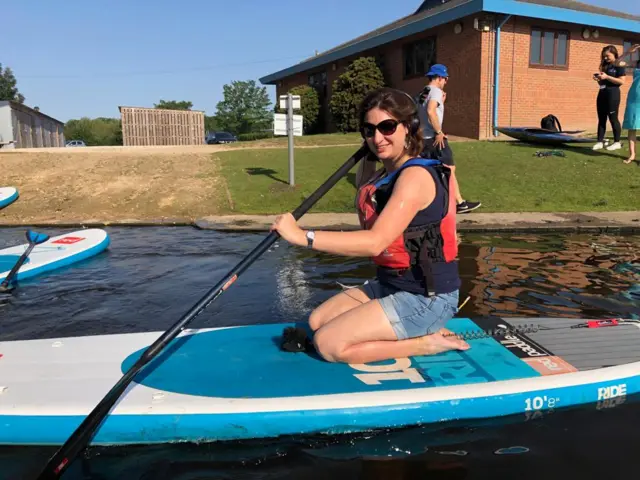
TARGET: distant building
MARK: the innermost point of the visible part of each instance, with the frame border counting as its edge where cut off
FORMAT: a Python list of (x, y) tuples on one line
[(511, 62), (24, 127), (155, 126)]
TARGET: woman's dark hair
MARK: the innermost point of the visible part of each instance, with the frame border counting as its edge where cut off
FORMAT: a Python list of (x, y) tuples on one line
[(401, 107), (608, 49)]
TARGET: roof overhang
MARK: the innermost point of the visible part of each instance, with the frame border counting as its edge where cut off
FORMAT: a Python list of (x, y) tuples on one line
[(558, 14), (449, 15), (507, 7)]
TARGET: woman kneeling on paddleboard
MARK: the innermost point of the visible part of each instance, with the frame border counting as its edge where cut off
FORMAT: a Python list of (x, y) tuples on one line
[(409, 228)]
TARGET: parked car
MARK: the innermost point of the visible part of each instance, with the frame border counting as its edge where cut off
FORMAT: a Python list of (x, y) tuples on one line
[(221, 137), (75, 143)]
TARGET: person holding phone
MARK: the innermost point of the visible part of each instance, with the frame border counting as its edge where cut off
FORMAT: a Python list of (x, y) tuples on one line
[(609, 78)]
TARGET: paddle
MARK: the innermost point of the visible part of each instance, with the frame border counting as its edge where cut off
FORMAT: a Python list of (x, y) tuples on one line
[(83, 434), (34, 238)]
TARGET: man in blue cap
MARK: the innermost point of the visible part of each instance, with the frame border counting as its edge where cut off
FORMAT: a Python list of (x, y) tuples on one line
[(431, 112)]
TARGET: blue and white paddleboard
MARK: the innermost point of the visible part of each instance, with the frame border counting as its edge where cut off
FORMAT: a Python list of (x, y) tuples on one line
[(8, 195), (57, 252), (235, 383)]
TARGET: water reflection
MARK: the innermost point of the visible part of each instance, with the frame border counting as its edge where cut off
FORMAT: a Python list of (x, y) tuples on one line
[(561, 445), (150, 277), (573, 276)]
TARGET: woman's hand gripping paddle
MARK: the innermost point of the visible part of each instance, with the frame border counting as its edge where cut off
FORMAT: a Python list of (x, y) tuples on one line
[(34, 238)]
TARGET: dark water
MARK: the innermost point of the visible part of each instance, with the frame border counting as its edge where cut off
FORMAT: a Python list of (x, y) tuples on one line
[(151, 276)]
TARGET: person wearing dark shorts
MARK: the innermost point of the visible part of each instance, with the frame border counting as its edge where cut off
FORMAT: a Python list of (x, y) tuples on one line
[(436, 146)]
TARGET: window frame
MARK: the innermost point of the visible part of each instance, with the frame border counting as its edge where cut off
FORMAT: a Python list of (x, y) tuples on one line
[(556, 32), (407, 46)]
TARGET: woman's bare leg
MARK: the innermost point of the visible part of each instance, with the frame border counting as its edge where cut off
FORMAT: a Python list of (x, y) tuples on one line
[(632, 146), (363, 334), (337, 305)]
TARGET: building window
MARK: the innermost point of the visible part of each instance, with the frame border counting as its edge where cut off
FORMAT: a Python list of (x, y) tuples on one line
[(318, 79), (549, 48), (319, 82), (419, 56), (635, 57)]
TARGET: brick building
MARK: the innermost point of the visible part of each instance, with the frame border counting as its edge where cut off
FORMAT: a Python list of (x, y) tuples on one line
[(511, 62)]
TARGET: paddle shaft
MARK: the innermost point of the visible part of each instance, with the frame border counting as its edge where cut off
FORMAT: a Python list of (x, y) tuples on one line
[(16, 267), (81, 437)]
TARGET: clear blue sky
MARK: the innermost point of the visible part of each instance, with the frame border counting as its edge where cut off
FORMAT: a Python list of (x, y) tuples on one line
[(77, 58)]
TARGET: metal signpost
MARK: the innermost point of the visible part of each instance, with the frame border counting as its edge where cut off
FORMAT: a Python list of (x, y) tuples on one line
[(288, 124)]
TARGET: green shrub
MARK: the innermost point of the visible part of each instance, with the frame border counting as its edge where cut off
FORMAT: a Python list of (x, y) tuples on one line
[(247, 137), (350, 88)]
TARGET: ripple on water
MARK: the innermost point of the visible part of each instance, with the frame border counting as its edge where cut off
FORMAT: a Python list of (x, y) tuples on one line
[(149, 277)]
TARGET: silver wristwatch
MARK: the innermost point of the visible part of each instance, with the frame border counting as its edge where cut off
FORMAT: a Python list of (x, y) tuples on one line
[(311, 235)]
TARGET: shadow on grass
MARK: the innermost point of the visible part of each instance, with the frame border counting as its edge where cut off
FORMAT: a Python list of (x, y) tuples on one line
[(267, 172), (582, 150), (351, 178)]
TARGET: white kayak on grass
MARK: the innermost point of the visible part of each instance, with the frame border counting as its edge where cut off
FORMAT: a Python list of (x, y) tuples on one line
[(57, 252), (236, 383), (8, 195)]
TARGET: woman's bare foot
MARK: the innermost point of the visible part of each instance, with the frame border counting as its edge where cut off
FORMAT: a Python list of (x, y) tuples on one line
[(443, 341), (630, 159)]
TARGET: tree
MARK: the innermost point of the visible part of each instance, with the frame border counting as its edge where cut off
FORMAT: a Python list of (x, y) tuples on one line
[(174, 105), (309, 106), (210, 123), (96, 131), (245, 108), (8, 89), (350, 88)]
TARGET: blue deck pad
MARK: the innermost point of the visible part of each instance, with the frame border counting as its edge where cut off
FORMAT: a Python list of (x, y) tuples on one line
[(486, 361), (246, 362), (7, 262)]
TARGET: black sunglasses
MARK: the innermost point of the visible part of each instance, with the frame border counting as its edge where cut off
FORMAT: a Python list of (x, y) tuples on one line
[(386, 127)]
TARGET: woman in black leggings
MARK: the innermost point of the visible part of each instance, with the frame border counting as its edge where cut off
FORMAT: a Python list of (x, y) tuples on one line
[(610, 77)]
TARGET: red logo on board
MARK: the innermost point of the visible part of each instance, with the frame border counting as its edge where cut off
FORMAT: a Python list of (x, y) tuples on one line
[(69, 240)]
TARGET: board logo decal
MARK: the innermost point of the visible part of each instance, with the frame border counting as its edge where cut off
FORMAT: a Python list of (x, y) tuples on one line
[(612, 396), (523, 347), (69, 240), (550, 365)]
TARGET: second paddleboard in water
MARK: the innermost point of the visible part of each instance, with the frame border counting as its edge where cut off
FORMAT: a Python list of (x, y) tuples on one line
[(57, 252)]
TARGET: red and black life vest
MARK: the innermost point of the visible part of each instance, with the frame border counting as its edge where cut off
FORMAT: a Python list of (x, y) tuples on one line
[(423, 258)]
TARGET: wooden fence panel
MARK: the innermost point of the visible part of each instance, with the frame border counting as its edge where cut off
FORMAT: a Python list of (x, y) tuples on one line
[(154, 126)]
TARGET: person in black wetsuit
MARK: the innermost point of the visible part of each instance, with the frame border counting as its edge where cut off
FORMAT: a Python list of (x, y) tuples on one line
[(609, 78)]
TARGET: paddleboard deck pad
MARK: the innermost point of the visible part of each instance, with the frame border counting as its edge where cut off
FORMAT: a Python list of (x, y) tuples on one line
[(236, 383), (541, 136), (57, 252), (8, 195)]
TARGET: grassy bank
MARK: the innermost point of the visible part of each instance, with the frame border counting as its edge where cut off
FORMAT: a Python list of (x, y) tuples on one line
[(504, 176), (187, 183), (304, 141)]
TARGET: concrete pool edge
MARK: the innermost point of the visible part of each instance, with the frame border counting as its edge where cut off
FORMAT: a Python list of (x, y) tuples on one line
[(613, 222)]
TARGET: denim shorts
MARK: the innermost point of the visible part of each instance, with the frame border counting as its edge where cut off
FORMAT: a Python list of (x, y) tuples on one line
[(412, 315)]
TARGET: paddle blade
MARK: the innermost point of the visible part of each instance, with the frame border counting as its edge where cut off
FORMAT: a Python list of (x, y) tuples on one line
[(36, 238)]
